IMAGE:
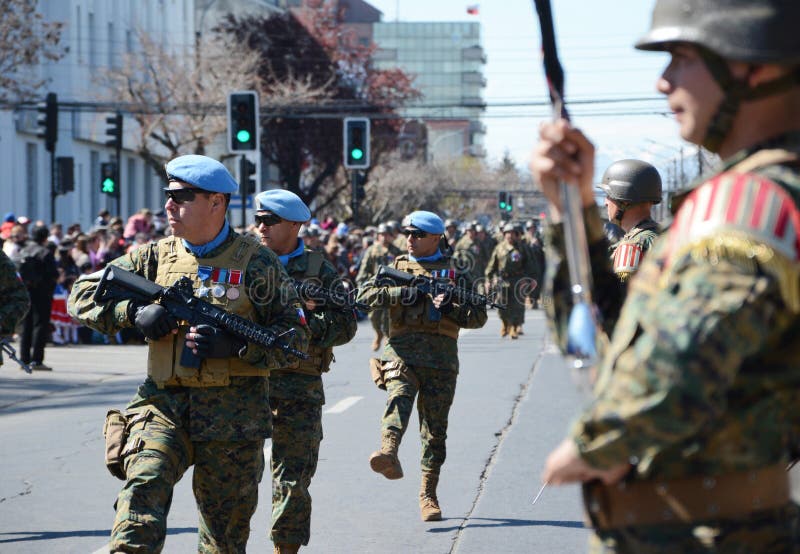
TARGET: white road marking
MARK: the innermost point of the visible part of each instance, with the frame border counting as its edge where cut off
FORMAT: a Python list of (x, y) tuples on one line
[(343, 405)]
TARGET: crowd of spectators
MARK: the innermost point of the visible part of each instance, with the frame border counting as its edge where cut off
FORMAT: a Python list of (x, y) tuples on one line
[(79, 251)]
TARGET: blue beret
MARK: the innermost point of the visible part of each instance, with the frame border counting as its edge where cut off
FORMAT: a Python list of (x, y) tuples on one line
[(425, 221), (203, 172), (284, 204)]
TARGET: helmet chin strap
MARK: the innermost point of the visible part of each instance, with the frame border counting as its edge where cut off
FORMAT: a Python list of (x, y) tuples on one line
[(736, 91), (619, 213)]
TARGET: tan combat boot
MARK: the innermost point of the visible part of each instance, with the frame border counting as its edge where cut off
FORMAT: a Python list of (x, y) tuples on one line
[(428, 503), (376, 343), (519, 330), (385, 460), (503, 329), (512, 331), (286, 548)]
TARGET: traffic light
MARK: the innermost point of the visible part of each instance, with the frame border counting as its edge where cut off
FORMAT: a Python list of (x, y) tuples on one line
[(108, 179), (502, 200), (509, 203), (356, 143), (114, 131), (247, 176), (65, 174), (360, 180), (48, 121), (243, 121)]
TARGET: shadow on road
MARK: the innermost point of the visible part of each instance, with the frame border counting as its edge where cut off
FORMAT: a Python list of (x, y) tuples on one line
[(26, 536), (503, 522)]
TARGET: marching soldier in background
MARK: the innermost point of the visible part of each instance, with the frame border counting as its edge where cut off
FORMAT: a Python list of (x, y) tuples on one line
[(632, 188), (536, 245), (214, 417), (469, 255), (296, 392), (421, 357), (513, 268), (382, 252), (15, 297), (398, 238), (685, 446)]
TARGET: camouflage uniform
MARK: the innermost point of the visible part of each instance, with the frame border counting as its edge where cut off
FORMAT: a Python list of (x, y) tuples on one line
[(376, 256), (176, 423), (626, 255), (700, 380), (470, 256), (15, 297), (419, 343), (296, 399), (518, 272)]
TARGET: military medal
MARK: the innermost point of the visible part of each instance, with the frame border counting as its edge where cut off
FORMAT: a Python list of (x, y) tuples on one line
[(233, 293), (204, 272), (202, 292), (218, 291)]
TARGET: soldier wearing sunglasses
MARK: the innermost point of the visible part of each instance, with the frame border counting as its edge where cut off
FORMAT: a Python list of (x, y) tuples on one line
[(420, 359), (296, 392), (214, 417)]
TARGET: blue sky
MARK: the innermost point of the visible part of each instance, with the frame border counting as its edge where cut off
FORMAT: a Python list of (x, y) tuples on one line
[(595, 41)]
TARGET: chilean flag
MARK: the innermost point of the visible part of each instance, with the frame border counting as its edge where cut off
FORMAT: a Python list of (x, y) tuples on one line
[(473, 9), (301, 315)]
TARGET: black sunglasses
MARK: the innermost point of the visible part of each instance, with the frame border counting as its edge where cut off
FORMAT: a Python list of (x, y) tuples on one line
[(415, 233), (179, 196), (267, 220)]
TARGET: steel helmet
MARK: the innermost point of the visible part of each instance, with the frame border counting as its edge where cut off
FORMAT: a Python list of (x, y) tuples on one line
[(632, 182), (751, 31), (757, 31)]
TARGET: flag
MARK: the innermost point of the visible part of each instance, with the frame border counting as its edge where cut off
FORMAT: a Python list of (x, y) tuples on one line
[(301, 315), (473, 9)]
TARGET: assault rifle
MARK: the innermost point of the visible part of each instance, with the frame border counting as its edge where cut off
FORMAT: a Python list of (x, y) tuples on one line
[(179, 300), (434, 286), (11, 353), (308, 290)]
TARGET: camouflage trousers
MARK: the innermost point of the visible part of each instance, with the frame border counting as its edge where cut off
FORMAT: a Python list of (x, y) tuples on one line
[(296, 435), (437, 387), (379, 317), (775, 531), (225, 484)]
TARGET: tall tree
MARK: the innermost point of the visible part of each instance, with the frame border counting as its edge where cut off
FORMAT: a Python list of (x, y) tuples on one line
[(176, 101), (26, 40), (303, 138)]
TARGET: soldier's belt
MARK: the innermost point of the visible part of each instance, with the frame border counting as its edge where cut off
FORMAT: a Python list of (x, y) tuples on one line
[(693, 499)]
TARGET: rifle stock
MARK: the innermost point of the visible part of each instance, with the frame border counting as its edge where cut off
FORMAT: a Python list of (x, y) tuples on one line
[(434, 286), (308, 290), (179, 300)]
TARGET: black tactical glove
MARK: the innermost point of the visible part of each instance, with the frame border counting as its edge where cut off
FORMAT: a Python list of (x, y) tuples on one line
[(154, 321), (211, 342)]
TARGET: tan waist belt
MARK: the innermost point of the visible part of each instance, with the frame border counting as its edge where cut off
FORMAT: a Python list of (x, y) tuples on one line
[(729, 496)]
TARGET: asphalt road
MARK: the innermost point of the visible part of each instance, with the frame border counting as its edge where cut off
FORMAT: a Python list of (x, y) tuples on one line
[(513, 403)]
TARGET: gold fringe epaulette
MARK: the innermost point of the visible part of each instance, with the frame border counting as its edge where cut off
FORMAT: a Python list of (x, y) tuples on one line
[(743, 250)]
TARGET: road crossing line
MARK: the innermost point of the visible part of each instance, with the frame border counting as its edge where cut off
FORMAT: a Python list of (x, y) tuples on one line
[(343, 404)]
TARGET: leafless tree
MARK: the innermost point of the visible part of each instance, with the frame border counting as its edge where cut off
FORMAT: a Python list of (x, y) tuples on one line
[(25, 41)]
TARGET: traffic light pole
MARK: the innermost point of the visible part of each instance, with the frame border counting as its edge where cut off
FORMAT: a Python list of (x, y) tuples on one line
[(354, 193), (243, 178), (53, 192)]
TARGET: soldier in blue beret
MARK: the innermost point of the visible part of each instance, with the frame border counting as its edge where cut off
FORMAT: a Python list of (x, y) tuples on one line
[(421, 355), (296, 392), (183, 416)]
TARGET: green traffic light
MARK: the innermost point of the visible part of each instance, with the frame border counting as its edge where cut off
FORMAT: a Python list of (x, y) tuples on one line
[(508, 207), (502, 205), (356, 153), (243, 136), (108, 184)]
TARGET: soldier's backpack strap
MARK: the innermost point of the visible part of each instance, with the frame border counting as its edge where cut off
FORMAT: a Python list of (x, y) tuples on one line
[(314, 265)]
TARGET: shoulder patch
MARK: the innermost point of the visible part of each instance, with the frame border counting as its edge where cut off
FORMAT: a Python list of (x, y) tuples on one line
[(739, 202), (627, 256)]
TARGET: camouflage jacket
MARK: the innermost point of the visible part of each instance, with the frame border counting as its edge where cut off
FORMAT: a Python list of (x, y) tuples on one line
[(239, 411), (627, 253), (702, 375), (512, 262), (423, 348), (376, 256), (15, 298), (470, 256), (329, 325)]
